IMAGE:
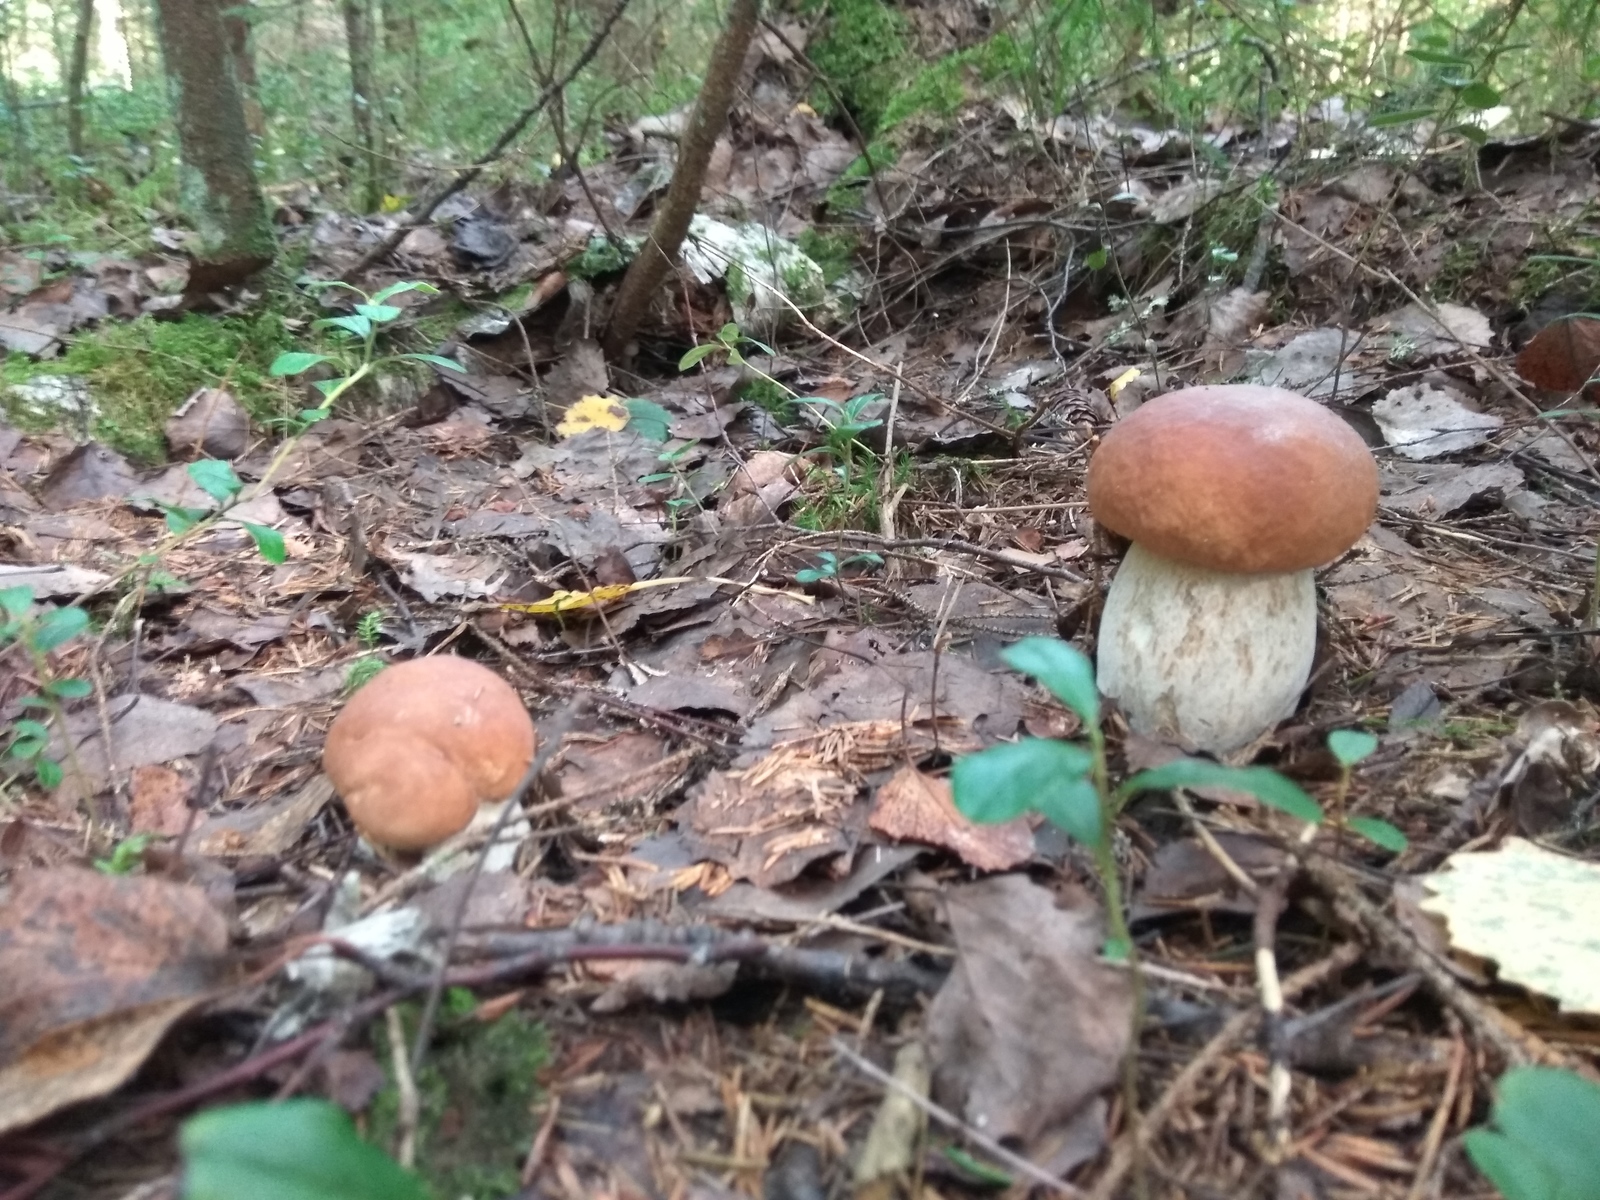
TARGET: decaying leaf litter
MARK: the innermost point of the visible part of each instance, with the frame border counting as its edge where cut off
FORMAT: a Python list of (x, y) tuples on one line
[(744, 899)]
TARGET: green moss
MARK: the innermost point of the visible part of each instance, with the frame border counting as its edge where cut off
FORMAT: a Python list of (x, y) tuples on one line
[(736, 284), (938, 91), (140, 371), (834, 252), (476, 1090), (601, 256), (864, 53)]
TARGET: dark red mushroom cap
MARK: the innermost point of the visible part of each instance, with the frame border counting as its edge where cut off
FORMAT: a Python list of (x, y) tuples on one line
[(1235, 478)]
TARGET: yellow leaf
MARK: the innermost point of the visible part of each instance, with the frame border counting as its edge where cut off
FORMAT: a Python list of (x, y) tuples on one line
[(1122, 381), (593, 412), (805, 110), (566, 602), (392, 204)]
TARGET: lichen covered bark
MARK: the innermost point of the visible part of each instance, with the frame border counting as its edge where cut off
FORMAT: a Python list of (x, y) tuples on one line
[(219, 189)]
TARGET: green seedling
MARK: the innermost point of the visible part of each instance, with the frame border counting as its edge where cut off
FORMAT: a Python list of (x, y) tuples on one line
[(1068, 783), (829, 565), (369, 629), (218, 480), (1349, 747), (36, 635), (362, 672), (127, 856), (1541, 1144)]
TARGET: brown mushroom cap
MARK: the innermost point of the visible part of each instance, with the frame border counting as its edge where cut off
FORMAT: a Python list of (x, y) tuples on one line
[(1235, 478), (424, 743)]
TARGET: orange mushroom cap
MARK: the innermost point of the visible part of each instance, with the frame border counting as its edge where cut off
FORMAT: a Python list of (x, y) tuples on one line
[(1235, 478), (424, 743)]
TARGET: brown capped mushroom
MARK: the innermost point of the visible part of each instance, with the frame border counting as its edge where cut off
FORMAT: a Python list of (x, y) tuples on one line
[(1230, 495), (418, 748)]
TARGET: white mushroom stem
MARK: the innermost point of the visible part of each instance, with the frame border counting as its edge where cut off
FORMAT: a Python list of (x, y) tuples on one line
[(1203, 656)]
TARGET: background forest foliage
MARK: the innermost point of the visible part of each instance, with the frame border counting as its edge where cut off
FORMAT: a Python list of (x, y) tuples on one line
[(447, 75)]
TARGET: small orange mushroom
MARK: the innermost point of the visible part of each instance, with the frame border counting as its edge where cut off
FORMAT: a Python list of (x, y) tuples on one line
[(420, 747)]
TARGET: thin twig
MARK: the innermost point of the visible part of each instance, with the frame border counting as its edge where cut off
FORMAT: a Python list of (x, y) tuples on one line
[(405, 1084)]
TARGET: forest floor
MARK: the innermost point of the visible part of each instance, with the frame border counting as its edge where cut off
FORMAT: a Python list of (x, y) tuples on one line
[(755, 757)]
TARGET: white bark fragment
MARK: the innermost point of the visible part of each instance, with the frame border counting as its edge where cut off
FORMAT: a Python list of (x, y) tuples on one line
[(1204, 657)]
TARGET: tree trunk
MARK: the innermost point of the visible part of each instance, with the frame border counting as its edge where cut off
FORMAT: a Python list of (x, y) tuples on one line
[(358, 40), (219, 189), (77, 73), (238, 27), (710, 116)]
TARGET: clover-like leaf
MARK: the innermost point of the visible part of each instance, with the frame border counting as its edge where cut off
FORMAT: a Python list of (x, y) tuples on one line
[(1265, 784), (1379, 833), (1064, 669), (16, 601), (1034, 775), (1544, 1145), (1350, 746), (296, 1150), (216, 479), (294, 362), (58, 626), (693, 356), (269, 542), (352, 323), (648, 419)]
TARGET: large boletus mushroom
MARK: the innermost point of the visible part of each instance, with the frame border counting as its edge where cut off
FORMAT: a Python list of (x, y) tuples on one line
[(417, 749), (1230, 495)]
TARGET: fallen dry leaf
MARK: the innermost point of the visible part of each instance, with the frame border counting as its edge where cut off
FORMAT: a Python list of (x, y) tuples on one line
[(1531, 911), (98, 967), (1030, 1028), (1563, 356), (914, 806)]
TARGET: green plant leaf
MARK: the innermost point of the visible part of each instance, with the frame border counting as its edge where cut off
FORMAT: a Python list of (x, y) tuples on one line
[(1096, 259), (216, 479), (1379, 833), (695, 354), (293, 362), (34, 702), (269, 542), (28, 728), (1064, 669), (1404, 117), (353, 323), (1350, 746), (652, 422), (1033, 775), (47, 771), (1544, 1146), (379, 314), (1265, 784), (57, 626), (1479, 96), (394, 289), (437, 360), (16, 600), (26, 748), (329, 386), (296, 1150), (735, 359), (729, 333), (181, 520), (1438, 58), (68, 689)]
